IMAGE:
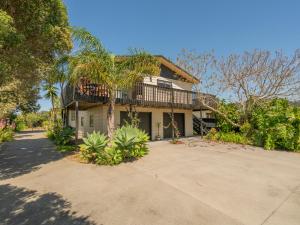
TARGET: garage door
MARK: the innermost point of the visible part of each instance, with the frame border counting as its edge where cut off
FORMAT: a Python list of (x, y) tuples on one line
[(145, 121), (179, 120)]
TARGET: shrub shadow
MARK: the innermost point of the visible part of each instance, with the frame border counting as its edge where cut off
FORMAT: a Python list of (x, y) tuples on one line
[(25, 155), (20, 206)]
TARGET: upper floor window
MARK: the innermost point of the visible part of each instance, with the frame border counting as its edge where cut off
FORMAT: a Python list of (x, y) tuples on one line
[(163, 83)]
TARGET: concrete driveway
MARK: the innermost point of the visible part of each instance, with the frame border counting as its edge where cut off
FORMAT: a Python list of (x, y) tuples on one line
[(193, 183)]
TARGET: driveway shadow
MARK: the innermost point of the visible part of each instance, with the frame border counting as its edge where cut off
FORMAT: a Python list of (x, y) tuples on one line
[(26, 154), (20, 206)]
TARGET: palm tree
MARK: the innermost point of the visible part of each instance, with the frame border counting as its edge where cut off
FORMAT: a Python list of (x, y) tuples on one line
[(61, 73), (51, 93), (94, 62)]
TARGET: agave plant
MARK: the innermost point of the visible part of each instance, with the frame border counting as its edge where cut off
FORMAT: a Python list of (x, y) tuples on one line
[(130, 141), (93, 148)]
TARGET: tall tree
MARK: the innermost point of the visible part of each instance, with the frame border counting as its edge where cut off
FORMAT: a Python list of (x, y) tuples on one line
[(51, 92), (32, 34), (61, 74), (246, 79), (92, 61)]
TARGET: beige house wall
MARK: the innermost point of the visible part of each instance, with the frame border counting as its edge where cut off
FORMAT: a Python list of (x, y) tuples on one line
[(100, 121), (98, 125), (205, 114), (72, 122)]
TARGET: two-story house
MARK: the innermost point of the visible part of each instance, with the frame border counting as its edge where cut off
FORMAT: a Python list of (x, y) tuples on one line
[(154, 99)]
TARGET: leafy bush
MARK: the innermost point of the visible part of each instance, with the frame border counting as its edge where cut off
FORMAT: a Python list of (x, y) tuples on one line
[(66, 148), (131, 142), (272, 124), (30, 120), (246, 129), (212, 134), (62, 136), (20, 125), (46, 124), (6, 134), (276, 125), (233, 113), (227, 137)]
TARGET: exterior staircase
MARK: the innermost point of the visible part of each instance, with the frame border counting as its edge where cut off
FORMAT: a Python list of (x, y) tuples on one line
[(201, 123)]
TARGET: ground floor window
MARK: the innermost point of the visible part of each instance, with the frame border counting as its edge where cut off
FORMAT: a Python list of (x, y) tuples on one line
[(91, 120), (72, 115)]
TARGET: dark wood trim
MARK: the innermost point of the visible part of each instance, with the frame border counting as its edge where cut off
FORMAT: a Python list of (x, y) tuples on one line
[(140, 94), (67, 116), (76, 121)]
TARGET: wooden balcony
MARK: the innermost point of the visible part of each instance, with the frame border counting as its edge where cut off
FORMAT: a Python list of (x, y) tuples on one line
[(140, 94)]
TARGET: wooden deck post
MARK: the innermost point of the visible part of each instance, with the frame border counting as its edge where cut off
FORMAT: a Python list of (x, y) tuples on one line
[(76, 121), (201, 125), (67, 117), (172, 116)]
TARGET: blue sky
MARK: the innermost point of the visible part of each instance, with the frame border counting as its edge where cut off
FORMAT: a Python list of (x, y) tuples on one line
[(166, 26)]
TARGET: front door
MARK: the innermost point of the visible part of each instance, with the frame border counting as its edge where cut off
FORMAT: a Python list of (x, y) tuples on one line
[(179, 121)]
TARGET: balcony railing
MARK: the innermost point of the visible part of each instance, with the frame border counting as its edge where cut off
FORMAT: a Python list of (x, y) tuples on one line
[(140, 94)]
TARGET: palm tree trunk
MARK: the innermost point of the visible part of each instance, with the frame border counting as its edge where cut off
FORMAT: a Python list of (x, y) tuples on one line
[(111, 115), (53, 110)]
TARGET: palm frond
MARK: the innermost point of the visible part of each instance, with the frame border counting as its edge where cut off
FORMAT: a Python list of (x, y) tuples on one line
[(86, 41), (94, 66), (50, 90), (137, 65)]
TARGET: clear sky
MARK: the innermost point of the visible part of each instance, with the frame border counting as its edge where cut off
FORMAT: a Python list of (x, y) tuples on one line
[(166, 26)]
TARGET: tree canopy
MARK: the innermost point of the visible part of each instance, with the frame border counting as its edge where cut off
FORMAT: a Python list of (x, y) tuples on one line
[(32, 34)]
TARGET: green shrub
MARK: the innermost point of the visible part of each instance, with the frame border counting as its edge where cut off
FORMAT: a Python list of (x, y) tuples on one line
[(6, 134), (20, 125), (46, 124), (212, 134), (272, 124), (131, 142), (231, 137), (64, 136), (93, 149), (231, 110), (50, 134), (30, 120), (66, 148), (276, 125), (246, 129)]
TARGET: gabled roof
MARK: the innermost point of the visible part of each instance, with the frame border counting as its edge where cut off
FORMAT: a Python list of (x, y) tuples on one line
[(176, 69)]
